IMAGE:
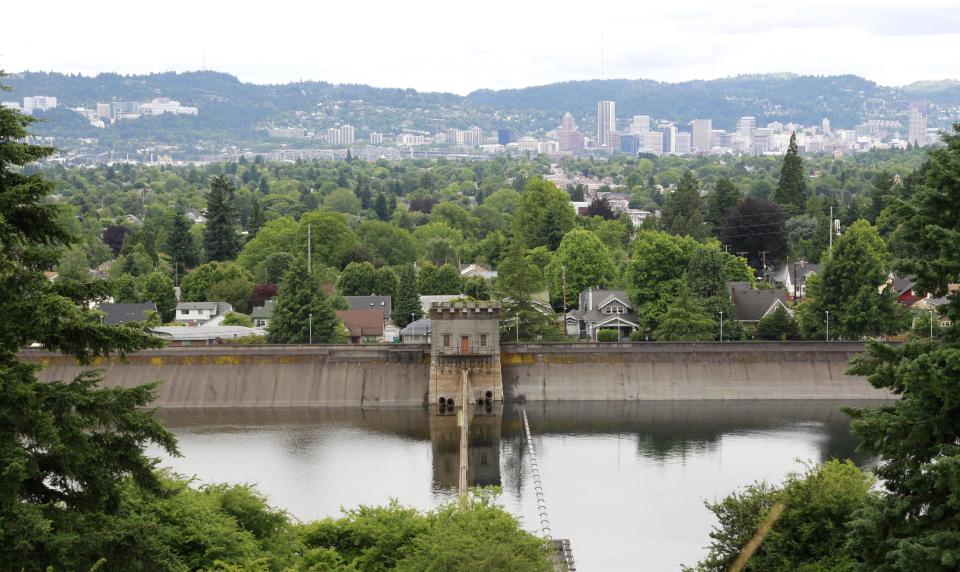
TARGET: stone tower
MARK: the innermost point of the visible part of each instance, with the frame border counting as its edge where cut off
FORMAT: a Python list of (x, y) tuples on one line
[(465, 337)]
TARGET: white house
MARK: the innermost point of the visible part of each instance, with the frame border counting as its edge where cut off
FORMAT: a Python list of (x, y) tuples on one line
[(601, 309), (197, 313)]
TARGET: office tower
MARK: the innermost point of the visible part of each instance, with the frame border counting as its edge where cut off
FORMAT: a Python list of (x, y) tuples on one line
[(640, 124), (684, 144), (630, 144), (348, 135), (825, 126), (570, 140), (41, 102), (918, 123), (745, 127), (505, 136), (606, 123), (376, 138), (473, 137), (669, 138), (702, 135), (103, 111)]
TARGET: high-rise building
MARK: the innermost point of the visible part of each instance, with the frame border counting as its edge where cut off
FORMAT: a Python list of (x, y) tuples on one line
[(651, 142), (570, 140), (473, 137), (702, 138), (505, 136), (39, 102), (825, 126), (103, 111), (606, 123), (745, 127), (669, 138), (348, 135), (640, 124), (630, 144), (684, 144), (376, 138), (918, 123)]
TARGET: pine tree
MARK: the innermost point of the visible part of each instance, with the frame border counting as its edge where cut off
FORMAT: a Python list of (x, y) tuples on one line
[(220, 237), (406, 305), (683, 213), (519, 279), (180, 245), (255, 219), (299, 297), (381, 208), (791, 191), (778, 325), (67, 448), (686, 320), (720, 202)]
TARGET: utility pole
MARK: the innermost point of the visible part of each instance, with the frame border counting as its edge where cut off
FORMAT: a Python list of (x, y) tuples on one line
[(763, 255), (564, 326), (309, 248), (830, 248), (310, 321), (828, 325), (517, 318), (721, 326)]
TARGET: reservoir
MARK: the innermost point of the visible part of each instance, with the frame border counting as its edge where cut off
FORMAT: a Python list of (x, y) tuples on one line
[(625, 481)]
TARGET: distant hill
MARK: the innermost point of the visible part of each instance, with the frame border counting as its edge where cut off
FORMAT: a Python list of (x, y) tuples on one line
[(234, 113)]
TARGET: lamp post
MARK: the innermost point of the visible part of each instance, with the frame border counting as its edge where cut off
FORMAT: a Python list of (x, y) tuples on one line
[(721, 326), (517, 318), (310, 322), (828, 325), (931, 324)]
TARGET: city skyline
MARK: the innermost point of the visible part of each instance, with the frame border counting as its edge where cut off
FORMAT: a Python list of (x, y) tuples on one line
[(695, 41)]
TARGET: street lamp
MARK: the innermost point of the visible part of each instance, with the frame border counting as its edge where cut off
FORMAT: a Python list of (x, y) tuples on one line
[(721, 326), (311, 327), (517, 318), (828, 325)]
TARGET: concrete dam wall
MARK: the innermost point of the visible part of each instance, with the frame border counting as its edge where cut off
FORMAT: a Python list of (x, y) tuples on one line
[(370, 375), (681, 371)]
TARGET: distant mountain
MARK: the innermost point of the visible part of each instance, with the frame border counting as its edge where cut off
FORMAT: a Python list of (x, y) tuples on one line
[(234, 113)]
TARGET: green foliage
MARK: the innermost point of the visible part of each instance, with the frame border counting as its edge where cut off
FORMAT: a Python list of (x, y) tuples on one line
[(357, 279), (386, 243), (301, 296), (157, 287), (608, 335), (543, 216), (437, 280), (791, 191), (342, 201), (686, 320), (180, 245), (810, 534), (849, 287), (585, 261), (683, 213), (519, 279), (64, 446), (74, 265), (778, 325), (237, 319), (656, 271), (720, 202), (406, 304), (332, 238), (195, 286), (220, 240)]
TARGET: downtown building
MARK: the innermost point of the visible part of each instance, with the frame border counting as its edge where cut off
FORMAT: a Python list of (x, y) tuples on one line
[(606, 123)]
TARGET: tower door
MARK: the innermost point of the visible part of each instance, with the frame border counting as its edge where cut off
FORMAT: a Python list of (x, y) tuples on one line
[(464, 344)]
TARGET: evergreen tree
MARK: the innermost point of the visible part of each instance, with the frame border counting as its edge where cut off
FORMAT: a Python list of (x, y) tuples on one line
[(180, 245), (264, 187), (720, 202), (686, 320), (220, 237), (757, 228), (518, 280), (255, 219), (358, 279), (791, 191), (778, 325), (683, 213), (68, 449), (381, 208), (439, 280), (299, 297), (851, 286), (406, 305)]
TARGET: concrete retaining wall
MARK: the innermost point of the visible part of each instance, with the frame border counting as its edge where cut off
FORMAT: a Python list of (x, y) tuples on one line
[(276, 376), (264, 376), (666, 371)]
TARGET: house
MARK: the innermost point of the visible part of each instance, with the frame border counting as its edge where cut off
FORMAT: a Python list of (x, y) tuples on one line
[(793, 277), (203, 335), (936, 305), (261, 315), (417, 332), (903, 289), (469, 270), (391, 332), (117, 314), (197, 313), (752, 305), (371, 302), (365, 326), (599, 310)]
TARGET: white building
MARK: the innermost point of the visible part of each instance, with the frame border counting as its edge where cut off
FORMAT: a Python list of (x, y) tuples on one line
[(197, 313), (684, 145), (39, 102), (409, 139), (161, 105), (606, 123), (640, 124), (376, 138), (702, 139)]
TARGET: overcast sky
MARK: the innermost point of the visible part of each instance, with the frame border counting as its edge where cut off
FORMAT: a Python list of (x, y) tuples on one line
[(462, 46)]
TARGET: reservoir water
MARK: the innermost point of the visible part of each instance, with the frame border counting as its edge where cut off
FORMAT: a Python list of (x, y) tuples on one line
[(625, 481)]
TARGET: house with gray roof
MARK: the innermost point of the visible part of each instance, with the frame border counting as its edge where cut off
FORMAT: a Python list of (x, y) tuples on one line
[(117, 314), (197, 313), (752, 305), (793, 276), (261, 315), (601, 310), (384, 303), (416, 332)]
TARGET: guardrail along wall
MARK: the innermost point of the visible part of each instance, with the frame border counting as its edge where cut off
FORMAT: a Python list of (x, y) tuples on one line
[(662, 371), (264, 376)]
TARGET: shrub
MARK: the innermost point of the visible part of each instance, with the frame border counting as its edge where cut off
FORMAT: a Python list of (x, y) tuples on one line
[(608, 336)]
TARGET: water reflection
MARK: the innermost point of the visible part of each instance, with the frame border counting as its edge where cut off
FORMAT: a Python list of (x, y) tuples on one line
[(622, 479)]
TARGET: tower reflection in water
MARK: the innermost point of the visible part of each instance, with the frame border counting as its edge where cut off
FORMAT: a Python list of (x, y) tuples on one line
[(484, 450)]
